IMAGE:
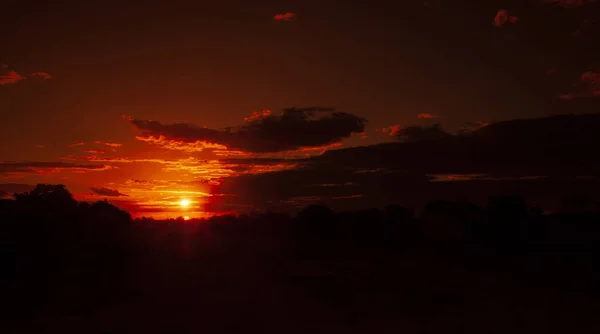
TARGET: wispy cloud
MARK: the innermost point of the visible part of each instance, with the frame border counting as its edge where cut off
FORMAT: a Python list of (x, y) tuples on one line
[(9, 168), (503, 16), (427, 115), (42, 75), (9, 77), (568, 3), (257, 115), (79, 143), (113, 145), (96, 151), (106, 192), (588, 85), (284, 17)]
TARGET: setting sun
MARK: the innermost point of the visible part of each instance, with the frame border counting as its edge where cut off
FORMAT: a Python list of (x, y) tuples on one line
[(184, 203)]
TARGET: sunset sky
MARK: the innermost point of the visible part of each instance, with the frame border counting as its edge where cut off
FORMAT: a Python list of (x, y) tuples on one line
[(232, 105)]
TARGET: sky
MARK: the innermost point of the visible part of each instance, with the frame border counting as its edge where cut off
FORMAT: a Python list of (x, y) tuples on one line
[(236, 106)]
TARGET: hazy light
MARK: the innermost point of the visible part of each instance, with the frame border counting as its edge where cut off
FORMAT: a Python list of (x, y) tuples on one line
[(185, 203)]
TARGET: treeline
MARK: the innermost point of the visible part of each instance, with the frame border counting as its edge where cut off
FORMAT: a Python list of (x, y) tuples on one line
[(60, 255)]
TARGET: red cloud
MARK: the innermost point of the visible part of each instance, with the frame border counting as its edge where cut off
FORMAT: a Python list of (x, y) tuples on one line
[(427, 115), (79, 143), (39, 146), (503, 16), (257, 115), (392, 130), (42, 75), (589, 83), (284, 17), (10, 77)]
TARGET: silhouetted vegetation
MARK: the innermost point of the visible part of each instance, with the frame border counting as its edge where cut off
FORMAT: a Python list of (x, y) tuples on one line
[(453, 268)]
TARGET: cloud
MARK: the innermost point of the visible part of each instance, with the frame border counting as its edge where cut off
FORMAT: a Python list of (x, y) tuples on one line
[(42, 75), (427, 115), (79, 143), (503, 17), (284, 17), (534, 157), (420, 133), (40, 146), (469, 127), (106, 192), (392, 130), (9, 77), (257, 115), (96, 151), (47, 167), (568, 3), (113, 145), (293, 129), (588, 85)]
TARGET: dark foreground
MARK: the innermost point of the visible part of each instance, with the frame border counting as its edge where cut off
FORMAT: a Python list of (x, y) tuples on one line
[(72, 267)]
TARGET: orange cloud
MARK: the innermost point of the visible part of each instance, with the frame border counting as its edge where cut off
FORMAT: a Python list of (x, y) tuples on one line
[(179, 145), (113, 145), (42, 75), (284, 17), (503, 16), (427, 115), (97, 151), (392, 130), (257, 115), (10, 77)]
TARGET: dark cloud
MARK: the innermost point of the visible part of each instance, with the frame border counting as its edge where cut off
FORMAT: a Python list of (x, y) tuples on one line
[(39, 167), (294, 129), (568, 3), (533, 157), (106, 192), (420, 133)]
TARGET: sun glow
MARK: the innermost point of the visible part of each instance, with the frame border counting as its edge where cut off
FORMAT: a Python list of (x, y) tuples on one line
[(184, 203)]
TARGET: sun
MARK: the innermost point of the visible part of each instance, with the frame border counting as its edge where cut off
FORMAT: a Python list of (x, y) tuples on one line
[(184, 203)]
